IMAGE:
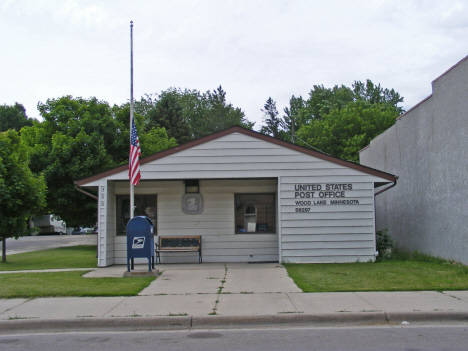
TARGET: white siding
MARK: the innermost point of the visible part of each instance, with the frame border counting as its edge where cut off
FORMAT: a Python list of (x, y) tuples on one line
[(216, 224), (110, 223), (238, 163), (328, 233), (106, 220), (240, 156)]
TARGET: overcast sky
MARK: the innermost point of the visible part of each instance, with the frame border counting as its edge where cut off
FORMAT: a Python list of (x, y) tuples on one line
[(254, 49)]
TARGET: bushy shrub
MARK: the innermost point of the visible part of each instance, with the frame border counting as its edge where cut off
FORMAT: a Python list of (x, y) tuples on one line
[(383, 243)]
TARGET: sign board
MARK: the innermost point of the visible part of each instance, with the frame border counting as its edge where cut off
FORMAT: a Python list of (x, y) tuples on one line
[(318, 194), (192, 203)]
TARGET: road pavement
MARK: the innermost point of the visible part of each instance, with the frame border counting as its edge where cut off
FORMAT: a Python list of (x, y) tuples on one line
[(368, 338), (43, 242)]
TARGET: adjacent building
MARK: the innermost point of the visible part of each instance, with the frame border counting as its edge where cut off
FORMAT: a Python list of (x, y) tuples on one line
[(428, 149)]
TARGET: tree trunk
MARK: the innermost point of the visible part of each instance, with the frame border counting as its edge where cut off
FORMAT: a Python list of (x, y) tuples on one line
[(3, 249)]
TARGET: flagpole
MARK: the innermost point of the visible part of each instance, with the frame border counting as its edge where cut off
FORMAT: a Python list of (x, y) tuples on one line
[(132, 190)]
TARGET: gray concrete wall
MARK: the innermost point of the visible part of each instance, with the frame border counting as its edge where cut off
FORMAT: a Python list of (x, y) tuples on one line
[(428, 149)]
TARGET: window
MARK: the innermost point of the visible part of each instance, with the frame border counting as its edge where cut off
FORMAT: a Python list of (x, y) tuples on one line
[(255, 213), (145, 205)]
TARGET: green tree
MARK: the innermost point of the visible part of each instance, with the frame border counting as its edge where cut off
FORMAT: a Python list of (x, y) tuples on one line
[(375, 94), (272, 123), (74, 157), (121, 115), (37, 139), (155, 140), (68, 123), (322, 101), (22, 194), (342, 120), (69, 116), (168, 114), (14, 117), (195, 107), (144, 105), (344, 132), (290, 122), (78, 138), (207, 113), (222, 115)]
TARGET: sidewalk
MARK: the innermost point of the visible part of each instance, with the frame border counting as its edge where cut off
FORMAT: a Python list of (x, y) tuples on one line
[(224, 296)]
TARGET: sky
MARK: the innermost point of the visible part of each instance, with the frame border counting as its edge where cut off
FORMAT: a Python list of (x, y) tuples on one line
[(253, 49)]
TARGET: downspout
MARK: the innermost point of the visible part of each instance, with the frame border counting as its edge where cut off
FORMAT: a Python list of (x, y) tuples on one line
[(387, 188), (86, 193), (377, 193)]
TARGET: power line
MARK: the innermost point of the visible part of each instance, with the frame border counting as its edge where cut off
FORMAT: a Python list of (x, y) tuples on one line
[(295, 136)]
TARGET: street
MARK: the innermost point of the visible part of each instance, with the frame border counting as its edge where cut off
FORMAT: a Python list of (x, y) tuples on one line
[(34, 243), (382, 338)]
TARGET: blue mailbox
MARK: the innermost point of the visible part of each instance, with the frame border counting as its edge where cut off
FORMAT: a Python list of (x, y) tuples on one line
[(140, 241)]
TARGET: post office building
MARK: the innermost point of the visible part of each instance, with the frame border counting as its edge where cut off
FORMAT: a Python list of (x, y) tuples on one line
[(251, 198)]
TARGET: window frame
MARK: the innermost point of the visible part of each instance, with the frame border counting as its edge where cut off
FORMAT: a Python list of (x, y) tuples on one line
[(138, 197), (273, 212)]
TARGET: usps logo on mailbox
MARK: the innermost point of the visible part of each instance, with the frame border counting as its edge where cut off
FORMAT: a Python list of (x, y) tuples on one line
[(138, 242)]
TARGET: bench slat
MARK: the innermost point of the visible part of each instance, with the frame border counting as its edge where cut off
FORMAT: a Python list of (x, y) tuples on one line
[(179, 244), (177, 250)]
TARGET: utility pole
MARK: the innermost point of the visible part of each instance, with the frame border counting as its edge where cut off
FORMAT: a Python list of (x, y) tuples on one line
[(292, 130)]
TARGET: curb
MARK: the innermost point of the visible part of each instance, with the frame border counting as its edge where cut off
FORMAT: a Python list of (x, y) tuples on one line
[(19, 326), (293, 319), (421, 317)]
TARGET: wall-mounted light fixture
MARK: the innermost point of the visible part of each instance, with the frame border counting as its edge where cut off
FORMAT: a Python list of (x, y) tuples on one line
[(192, 200), (192, 186)]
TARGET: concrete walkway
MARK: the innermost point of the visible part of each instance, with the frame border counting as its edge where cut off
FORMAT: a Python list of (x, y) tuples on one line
[(227, 295)]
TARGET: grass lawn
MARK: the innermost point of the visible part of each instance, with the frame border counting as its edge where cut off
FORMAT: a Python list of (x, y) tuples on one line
[(83, 256), (413, 273), (30, 285)]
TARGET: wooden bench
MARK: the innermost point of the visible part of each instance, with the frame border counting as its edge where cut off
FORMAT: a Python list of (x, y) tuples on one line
[(178, 244)]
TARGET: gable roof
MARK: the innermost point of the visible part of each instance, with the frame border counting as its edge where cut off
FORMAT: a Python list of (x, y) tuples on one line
[(253, 134)]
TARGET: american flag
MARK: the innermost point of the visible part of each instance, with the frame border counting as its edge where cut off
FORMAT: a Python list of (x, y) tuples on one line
[(135, 153)]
